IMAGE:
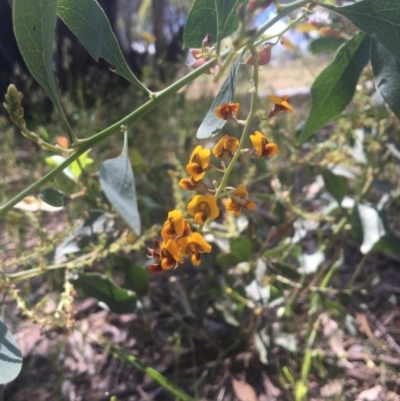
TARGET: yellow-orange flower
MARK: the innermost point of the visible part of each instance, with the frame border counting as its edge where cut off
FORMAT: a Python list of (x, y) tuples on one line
[(170, 254), (203, 207), (227, 111), (198, 163), (281, 104), (189, 184), (262, 146), (194, 246), (239, 200), (175, 226), (225, 147)]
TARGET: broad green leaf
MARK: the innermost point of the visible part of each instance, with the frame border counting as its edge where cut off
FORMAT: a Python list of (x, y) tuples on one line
[(137, 278), (386, 69), (118, 183), (202, 20), (87, 20), (34, 26), (99, 286), (211, 124), (336, 185), (325, 44), (226, 10), (10, 356), (334, 88), (228, 259), (378, 18), (242, 248), (52, 196)]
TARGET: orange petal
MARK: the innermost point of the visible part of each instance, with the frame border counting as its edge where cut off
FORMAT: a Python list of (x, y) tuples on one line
[(270, 149)]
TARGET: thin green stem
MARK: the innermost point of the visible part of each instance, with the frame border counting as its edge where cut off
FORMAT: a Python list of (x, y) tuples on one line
[(246, 129)]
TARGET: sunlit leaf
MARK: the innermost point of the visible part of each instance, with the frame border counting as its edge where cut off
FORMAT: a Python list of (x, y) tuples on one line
[(311, 262), (378, 18), (118, 183), (99, 286), (34, 26), (82, 161), (386, 69), (73, 171), (52, 196), (336, 185), (10, 356), (202, 20), (334, 88), (372, 227), (87, 20), (211, 124)]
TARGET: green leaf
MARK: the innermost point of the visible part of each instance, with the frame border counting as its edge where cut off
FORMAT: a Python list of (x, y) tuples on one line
[(386, 69), (202, 20), (84, 160), (325, 44), (211, 124), (118, 183), (73, 171), (87, 20), (34, 26), (228, 259), (137, 278), (99, 286), (242, 248), (52, 196), (336, 185), (10, 356), (378, 18), (334, 88)]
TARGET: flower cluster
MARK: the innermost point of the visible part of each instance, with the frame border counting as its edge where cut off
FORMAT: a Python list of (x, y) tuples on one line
[(178, 239)]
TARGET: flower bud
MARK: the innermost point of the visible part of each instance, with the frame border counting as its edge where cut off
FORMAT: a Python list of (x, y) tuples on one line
[(206, 41), (264, 55)]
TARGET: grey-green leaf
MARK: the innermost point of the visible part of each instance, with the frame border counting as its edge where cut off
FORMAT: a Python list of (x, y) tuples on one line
[(34, 26), (336, 185), (10, 356), (52, 196), (386, 69), (211, 124), (90, 25), (334, 88), (378, 18), (118, 183), (202, 20), (98, 286)]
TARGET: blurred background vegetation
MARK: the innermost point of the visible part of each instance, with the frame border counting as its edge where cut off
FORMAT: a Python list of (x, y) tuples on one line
[(288, 303)]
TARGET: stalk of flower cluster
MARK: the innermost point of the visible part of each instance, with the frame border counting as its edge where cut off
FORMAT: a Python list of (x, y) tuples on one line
[(246, 129)]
